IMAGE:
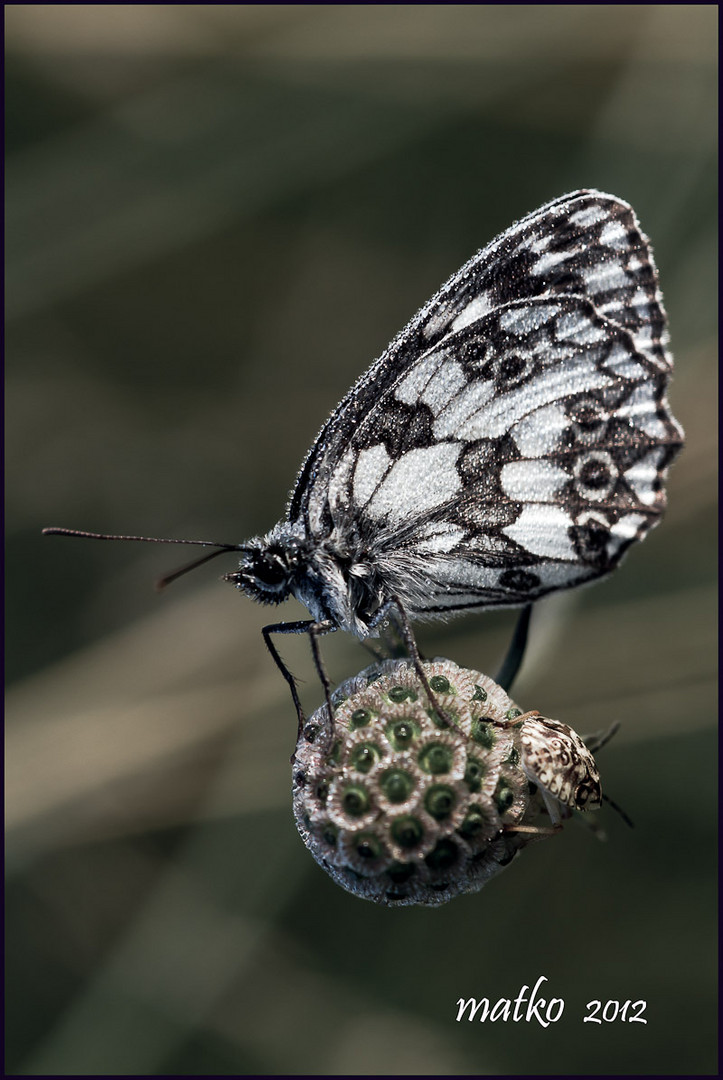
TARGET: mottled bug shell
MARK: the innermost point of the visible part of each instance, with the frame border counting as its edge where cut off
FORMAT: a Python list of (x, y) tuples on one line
[(556, 759)]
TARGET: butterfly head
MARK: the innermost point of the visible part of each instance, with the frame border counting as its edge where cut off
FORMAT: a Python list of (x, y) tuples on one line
[(268, 568)]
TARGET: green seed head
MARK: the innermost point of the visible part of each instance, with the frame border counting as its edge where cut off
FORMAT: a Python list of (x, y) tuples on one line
[(443, 856), (401, 733), (355, 800), (401, 872), (360, 718), (482, 733), (330, 833), (311, 730), (397, 694), (439, 801), (368, 847), (334, 754), (440, 684), (474, 773), (407, 831), (364, 756), (397, 785), (322, 790), (474, 822), (504, 795), (435, 758)]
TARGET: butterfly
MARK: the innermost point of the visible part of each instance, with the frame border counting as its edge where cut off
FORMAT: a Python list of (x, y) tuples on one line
[(511, 441)]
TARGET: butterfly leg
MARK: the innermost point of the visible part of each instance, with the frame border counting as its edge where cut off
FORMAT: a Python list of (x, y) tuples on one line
[(299, 627), (515, 654), (313, 629), (393, 636), (395, 608)]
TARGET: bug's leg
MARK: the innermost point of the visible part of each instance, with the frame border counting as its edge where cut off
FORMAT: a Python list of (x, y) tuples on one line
[(515, 654), (302, 626), (534, 830), (518, 721), (554, 807)]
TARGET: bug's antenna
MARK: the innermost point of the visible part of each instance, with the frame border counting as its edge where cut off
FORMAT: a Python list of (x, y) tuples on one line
[(167, 578), (598, 739), (619, 809)]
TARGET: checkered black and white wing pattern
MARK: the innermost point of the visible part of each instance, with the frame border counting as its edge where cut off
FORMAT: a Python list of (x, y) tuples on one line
[(514, 438)]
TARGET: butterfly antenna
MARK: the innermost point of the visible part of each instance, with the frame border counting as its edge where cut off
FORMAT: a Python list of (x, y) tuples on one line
[(167, 578)]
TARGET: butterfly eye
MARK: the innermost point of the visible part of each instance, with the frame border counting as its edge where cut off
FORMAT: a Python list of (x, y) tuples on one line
[(271, 570)]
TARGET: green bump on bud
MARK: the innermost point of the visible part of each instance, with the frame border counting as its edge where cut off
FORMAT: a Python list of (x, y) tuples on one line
[(401, 733), (440, 684), (329, 834), (368, 847), (397, 694), (473, 773), (443, 855), (355, 800), (332, 758), (474, 822), (480, 694), (360, 718), (504, 795), (401, 872), (482, 733), (364, 756), (310, 732), (322, 790), (407, 831), (396, 785), (513, 757), (512, 714), (439, 801), (435, 758)]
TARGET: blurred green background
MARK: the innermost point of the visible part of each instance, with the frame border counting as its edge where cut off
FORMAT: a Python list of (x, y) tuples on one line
[(217, 217)]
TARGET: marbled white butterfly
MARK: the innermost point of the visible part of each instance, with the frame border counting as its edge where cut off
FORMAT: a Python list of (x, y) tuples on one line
[(512, 440)]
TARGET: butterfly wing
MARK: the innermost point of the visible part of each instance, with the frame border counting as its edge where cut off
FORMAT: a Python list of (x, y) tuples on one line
[(513, 439)]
